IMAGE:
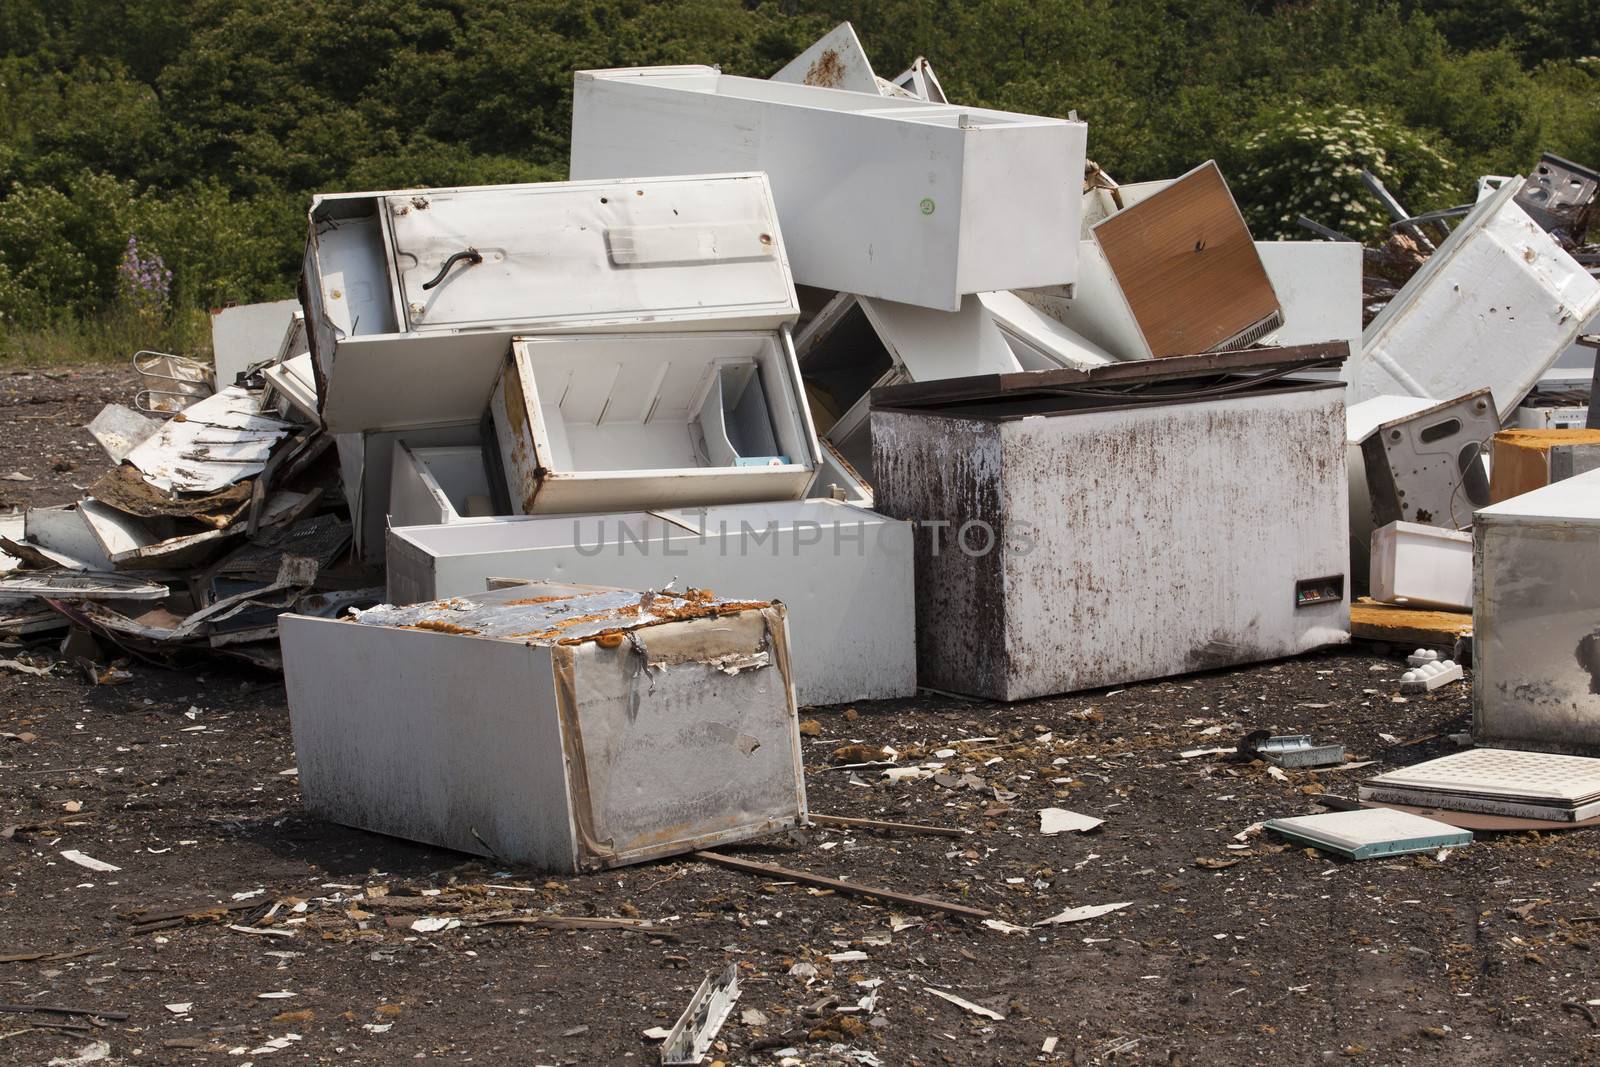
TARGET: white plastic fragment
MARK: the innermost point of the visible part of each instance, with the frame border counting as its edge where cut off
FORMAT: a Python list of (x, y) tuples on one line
[(74, 856), (1087, 911), (1059, 821), (976, 1009), (1430, 676), (1003, 927)]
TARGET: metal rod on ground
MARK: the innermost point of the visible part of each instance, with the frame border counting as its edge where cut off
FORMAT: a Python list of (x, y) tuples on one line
[(883, 824), (771, 870)]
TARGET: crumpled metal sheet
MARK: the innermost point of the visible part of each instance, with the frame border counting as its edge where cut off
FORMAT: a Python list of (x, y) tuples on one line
[(212, 444), (125, 489)]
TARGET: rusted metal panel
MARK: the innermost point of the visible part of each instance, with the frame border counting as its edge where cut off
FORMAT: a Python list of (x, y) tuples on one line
[(567, 727), (835, 61), (1090, 544)]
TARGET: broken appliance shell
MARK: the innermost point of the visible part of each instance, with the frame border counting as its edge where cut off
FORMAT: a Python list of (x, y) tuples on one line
[(566, 727), (1174, 273), (1560, 195), (1362, 421), (844, 574), (1422, 566), (1495, 306), (412, 297), (835, 61), (856, 344), (889, 197), (247, 334), (1089, 537), (435, 485), (1536, 620), (1428, 467), (610, 422), (1524, 460)]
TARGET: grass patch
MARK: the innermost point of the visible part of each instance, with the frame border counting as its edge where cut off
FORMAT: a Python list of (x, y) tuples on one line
[(110, 338)]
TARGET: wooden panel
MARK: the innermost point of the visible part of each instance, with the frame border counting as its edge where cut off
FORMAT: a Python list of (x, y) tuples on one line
[(1519, 460), (1371, 621), (1187, 266)]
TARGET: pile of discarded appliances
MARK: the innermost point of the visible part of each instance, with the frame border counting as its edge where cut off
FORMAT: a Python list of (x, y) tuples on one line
[(221, 513), (821, 389)]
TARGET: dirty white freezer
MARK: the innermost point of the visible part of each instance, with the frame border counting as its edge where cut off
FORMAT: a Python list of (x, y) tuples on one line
[(844, 574), (890, 197), (1087, 528), (1536, 619), (566, 727)]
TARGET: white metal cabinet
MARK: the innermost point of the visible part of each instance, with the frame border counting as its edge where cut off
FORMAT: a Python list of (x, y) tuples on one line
[(413, 296), (567, 727), (844, 573), (1536, 619), (1495, 306), (606, 422), (1067, 542), (882, 196)]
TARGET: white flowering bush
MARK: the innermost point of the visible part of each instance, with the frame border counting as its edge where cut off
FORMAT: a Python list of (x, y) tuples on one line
[(1308, 161)]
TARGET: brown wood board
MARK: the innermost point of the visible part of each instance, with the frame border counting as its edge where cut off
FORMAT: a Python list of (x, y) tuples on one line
[(1372, 621), (1519, 460), (1187, 265)]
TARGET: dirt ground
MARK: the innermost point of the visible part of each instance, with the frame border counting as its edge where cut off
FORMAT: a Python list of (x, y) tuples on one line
[(1228, 951)]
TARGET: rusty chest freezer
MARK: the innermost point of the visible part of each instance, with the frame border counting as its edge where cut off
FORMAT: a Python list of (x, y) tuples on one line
[(1084, 528), (568, 727), (842, 572), (1536, 619)]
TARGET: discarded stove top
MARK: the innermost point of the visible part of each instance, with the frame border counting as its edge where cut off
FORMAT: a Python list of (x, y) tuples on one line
[(1172, 379), (1535, 785), (1291, 750), (1370, 832)]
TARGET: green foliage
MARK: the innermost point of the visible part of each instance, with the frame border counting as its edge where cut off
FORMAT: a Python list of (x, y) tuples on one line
[(1308, 161), (202, 127)]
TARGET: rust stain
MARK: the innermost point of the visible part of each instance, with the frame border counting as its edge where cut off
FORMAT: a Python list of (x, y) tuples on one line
[(538, 600), (827, 71), (442, 627)]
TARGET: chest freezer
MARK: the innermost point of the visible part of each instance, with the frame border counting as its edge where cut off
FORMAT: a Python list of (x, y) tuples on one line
[(1536, 619), (566, 727), (843, 573), (1086, 528), (412, 297), (887, 197)]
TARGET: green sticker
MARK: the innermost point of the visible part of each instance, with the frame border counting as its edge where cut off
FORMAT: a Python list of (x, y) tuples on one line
[(927, 205)]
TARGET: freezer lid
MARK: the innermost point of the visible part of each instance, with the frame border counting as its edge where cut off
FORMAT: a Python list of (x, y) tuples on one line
[(1265, 363), (1573, 500), (565, 255)]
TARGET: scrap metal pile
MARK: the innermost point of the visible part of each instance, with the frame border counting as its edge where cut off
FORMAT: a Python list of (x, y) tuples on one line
[(715, 430)]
